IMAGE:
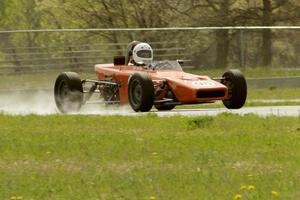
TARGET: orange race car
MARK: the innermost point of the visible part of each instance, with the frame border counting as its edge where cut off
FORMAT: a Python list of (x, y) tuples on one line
[(138, 80)]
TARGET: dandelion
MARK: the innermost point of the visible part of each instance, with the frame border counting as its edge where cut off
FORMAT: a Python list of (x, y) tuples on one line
[(237, 196), (243, 187), (251, 187), (152, 198), (276, 194)]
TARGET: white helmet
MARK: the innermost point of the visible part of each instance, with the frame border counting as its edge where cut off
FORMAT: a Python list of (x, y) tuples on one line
[(142, 54)]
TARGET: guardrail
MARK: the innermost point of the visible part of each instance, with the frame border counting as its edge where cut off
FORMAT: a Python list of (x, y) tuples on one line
[(50, 57), (21, 60)]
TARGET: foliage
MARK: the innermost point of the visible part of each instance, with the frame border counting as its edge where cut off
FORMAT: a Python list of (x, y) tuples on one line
[(217, 48)]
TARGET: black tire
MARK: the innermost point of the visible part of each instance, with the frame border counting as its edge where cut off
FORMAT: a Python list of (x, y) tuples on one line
[(68, 92), (140, 92), (164, 107), (237, 89)]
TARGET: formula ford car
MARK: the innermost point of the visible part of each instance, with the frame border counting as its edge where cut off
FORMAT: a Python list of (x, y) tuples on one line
[(141, 82)]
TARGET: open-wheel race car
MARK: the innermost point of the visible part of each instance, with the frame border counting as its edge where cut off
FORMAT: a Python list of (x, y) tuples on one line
[(143, 83)]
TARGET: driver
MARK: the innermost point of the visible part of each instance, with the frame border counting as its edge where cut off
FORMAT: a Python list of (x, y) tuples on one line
[(142, 55)]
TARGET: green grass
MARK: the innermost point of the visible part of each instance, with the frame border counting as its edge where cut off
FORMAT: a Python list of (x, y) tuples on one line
[(286, 95), (251, 72), (219, 104), (42, 80), (97, 157), (274, 93)]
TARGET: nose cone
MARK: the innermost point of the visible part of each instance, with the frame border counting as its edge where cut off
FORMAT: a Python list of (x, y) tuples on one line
[(197, 82)]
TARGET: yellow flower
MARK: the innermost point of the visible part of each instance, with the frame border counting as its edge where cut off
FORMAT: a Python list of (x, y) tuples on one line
[(237, 196), (243, 187), (13, 198), (276, 194), (251, 187), (152, 198)]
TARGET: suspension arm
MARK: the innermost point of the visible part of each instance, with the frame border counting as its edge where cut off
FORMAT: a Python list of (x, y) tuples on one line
[(99, 82)]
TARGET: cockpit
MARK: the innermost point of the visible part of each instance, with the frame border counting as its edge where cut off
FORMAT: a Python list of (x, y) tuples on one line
[(166, 65)]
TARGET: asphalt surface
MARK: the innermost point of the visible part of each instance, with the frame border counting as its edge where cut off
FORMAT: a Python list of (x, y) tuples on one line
[(261, 111), (42, 103)]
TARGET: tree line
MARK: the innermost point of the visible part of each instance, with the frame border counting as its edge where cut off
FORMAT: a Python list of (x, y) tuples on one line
[(217, 48)]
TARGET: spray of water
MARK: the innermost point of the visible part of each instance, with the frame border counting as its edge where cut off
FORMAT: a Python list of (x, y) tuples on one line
[(41, 102), (27, 102)]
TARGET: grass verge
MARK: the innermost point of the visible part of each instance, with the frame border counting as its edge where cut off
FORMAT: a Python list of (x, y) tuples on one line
[(219, 104), (274, 93), (148, 157), (251, 72), (260, 97)]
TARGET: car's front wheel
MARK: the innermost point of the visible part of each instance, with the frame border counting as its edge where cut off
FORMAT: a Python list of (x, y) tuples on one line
[(68, 92), (164, 107), (141, 92), (237, 89)]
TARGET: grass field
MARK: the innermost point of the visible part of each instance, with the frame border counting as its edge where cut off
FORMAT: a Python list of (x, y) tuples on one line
[(219, 104), (252, 72), (275, 93), (260, 97), (147, 157)]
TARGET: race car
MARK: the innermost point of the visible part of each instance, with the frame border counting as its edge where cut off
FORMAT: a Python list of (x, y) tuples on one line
[(137, 80)]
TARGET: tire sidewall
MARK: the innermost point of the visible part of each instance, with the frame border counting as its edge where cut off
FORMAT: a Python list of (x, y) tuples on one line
[(237, 88), (75, 90), (147, 92)]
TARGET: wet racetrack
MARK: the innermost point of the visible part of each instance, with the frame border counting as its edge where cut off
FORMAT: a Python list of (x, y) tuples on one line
[(42, 103)]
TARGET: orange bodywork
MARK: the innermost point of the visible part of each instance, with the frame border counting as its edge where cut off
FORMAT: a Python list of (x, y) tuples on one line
[(187, 88)]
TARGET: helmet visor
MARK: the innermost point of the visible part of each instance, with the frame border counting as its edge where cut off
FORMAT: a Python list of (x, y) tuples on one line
[(144, 54)]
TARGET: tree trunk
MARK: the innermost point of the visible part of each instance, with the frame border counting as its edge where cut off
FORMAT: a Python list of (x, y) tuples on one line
[(222, 37), (222, 48), (267, 34)]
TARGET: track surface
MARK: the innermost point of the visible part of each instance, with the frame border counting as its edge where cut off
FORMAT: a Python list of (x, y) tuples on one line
[(42, 103), (126, 111)]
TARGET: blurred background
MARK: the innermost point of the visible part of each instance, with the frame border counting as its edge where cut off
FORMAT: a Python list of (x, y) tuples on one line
[(33, 59)]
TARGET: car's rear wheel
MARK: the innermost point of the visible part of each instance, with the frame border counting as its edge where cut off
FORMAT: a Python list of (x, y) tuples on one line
[(141, 92), (68, 92), (237, 89)]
